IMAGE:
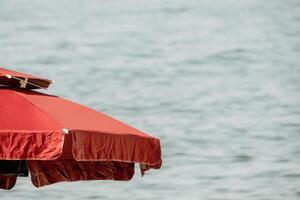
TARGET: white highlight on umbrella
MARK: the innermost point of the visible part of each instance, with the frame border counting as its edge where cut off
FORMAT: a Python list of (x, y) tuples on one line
[(8, 76), (66, 131)]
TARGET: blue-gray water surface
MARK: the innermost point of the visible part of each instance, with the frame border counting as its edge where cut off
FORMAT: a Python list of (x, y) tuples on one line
[(217, 81)]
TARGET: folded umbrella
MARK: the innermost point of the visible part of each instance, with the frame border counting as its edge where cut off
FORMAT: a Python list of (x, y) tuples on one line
[(58, 140)]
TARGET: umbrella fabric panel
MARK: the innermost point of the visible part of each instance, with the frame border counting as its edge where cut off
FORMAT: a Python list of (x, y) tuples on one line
[(73, 116), (7, 182), (31, 145), (17, 113), (49, 172)]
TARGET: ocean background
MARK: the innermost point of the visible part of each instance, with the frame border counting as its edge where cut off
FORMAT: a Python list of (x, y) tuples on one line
[(217, 81)]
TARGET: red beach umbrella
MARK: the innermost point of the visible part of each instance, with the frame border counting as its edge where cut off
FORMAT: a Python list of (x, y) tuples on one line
[(58, 140), (17, 79)]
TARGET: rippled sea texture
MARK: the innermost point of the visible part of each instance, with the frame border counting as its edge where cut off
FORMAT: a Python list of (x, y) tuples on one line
[(217, 81)]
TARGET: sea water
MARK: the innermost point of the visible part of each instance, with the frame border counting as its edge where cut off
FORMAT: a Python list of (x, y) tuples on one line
[(217, 81)]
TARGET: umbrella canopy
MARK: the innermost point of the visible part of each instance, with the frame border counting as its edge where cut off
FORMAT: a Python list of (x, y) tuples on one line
[(64, 141), (17, 79)]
